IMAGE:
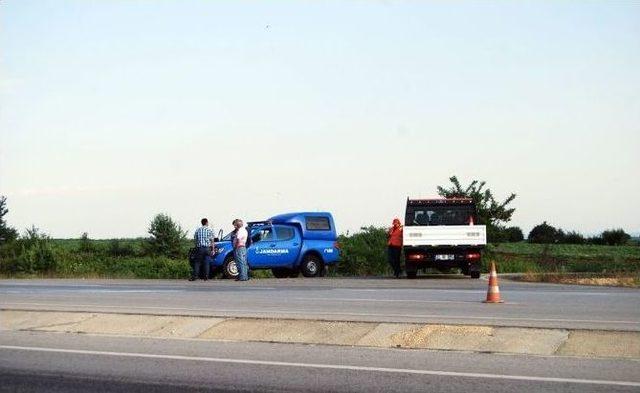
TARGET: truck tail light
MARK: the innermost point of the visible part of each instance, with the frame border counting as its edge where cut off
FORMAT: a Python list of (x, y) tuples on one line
[(473, 255), (415, 257), (336, 245)]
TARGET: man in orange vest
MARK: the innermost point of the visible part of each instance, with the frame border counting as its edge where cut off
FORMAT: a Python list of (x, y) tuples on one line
[(394, 246)]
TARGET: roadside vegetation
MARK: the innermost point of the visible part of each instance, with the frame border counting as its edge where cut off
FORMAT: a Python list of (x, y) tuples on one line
[(548, 252)]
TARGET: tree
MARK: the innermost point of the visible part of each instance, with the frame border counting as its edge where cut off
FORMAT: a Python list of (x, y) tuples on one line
[(491, 212), (85, 243), (574, 237), (544, 234), (615, 237), (514, 234), (167, 237), (7, 233)]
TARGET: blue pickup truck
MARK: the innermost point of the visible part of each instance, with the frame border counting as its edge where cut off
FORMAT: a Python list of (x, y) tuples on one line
[(288, 244)]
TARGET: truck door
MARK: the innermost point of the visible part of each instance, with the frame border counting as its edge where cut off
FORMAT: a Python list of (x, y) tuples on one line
[(288, 244), (260, 251)]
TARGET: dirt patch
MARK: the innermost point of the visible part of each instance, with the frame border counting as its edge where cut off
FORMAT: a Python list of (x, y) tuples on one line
[(630, 281), (443, 337), (385, 335), (482, 339)]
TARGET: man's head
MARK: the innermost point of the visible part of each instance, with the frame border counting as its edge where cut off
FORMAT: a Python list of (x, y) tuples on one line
[(396, 222), (204, 222), (237, 223)]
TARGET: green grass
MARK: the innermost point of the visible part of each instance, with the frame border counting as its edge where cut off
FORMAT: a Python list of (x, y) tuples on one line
[(586, 251), (563, 258), (363, 254)]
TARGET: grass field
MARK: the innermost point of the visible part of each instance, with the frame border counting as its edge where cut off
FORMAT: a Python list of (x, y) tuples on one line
[(586, 251), (563, 258)]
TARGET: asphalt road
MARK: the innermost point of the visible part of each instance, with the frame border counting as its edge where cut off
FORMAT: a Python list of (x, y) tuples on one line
[(51, 362), (436, 300)]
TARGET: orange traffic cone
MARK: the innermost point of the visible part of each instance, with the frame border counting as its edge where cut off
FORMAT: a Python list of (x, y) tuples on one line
[(493, 294)]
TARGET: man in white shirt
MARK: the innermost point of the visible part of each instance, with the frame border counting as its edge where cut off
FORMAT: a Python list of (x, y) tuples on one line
[(240, 249)]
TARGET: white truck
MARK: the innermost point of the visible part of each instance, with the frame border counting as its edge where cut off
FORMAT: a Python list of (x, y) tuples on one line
[(441, 233)]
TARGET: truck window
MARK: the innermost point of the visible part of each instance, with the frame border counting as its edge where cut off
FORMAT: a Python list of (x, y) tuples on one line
[(284, 233), (441, 215), (318, 223), (262, 234)]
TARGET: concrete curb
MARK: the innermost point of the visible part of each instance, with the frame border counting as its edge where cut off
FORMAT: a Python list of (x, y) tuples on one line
[(514, 340)]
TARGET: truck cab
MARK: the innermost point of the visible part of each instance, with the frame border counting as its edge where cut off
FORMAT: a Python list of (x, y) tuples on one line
[(288, 244), (441, 233)]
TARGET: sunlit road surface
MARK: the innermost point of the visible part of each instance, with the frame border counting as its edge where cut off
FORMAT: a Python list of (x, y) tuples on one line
[(453, 300)]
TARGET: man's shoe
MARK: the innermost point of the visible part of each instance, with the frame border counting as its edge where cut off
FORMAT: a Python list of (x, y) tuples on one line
[(192, 279)]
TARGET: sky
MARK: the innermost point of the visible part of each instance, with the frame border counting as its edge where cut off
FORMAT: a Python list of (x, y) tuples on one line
[(113, 111)]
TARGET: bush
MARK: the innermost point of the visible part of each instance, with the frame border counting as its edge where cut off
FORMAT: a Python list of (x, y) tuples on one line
[(544, 234), (615, 237), (167, 238), (496, 234), (364, 252), (30, 254), (87, 265), (116, 248)]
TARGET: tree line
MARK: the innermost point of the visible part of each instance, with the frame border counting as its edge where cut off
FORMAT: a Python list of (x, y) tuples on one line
[(496, 214)]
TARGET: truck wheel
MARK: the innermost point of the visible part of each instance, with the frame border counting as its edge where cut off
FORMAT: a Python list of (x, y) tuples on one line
[(230, 268), (311, 266), (475, 274), (280, 272)]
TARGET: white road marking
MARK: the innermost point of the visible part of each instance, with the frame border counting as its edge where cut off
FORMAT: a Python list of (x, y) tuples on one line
[(210, 312), (325, 366)]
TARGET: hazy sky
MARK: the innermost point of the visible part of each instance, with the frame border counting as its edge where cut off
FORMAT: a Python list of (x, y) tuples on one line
[(112, 111)]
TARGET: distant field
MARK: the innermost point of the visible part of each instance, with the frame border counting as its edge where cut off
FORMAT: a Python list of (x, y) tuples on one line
[(525, 257), (587, 251)]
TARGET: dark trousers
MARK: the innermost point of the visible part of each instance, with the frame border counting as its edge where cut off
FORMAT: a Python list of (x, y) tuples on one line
[(202, 259), (393, 255)]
